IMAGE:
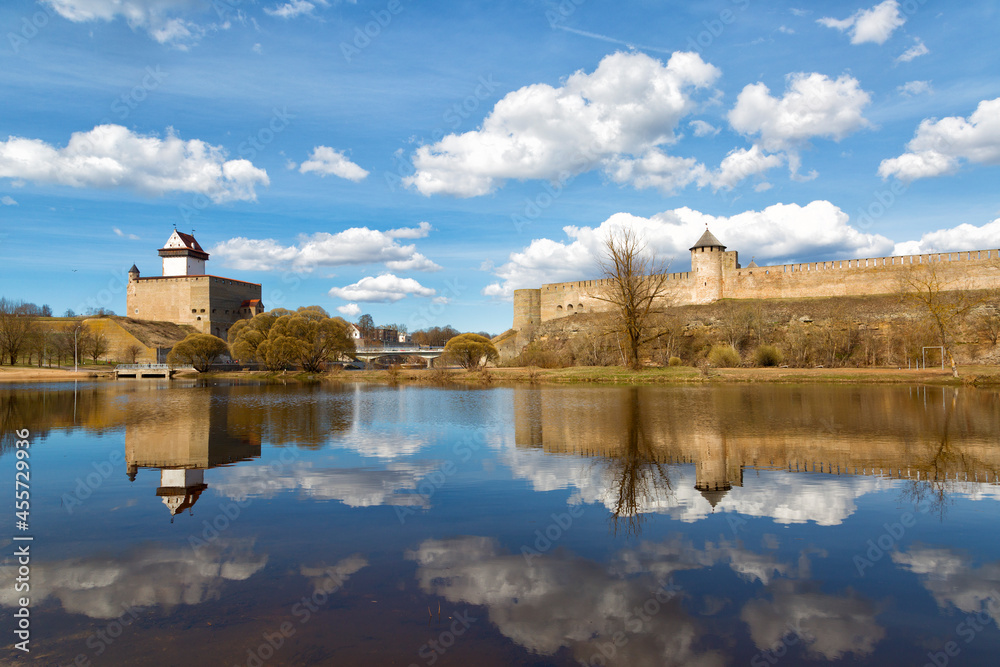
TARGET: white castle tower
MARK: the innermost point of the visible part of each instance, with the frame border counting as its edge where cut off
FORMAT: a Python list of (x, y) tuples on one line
[(183, 256)]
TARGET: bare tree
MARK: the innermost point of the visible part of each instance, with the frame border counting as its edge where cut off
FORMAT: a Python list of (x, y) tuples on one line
[(98, 346), (987, 321), (131, 353), (17, 323), (636, 282), (945, 302)]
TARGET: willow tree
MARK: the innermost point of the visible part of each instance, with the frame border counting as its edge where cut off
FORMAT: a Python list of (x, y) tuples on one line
[(278, 338), (471, 350), (635, 284), (198, 350)]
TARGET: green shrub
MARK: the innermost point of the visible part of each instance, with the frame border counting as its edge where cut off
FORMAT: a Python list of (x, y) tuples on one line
[(767, 355), (674, 361), (723, 356)]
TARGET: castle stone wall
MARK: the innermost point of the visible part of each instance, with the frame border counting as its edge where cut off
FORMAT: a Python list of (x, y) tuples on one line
[(978, 269), (717, 275), (211, 304)]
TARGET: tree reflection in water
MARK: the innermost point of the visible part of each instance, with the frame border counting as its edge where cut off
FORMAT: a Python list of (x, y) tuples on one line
[(640, 477), (932, 491)]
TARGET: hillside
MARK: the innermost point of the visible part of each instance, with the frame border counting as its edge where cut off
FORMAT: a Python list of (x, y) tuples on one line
[(828, 331), (156, 334)]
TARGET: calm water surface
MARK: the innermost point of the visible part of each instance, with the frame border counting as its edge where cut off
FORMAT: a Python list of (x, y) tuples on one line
[(234, 524)]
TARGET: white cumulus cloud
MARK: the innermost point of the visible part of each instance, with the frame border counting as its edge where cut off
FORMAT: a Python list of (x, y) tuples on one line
[(813, 105), (385, 288), (778, 232), (7, 200), (915, 51), (703, 129), (354, 246), (327, 161), (869, 25), (961, 237), (162, 19), (940, 146), (911, 88), (350, 310), (112, 156), (293, 8), (630, 104)]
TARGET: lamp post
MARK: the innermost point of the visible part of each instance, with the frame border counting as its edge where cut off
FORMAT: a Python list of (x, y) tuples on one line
[(76, 352)]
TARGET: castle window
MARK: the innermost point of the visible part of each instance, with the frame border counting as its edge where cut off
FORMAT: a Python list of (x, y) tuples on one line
[(194, 310), (199, 318), (569, 307), (136, 311), (580, 306), (559, 308), (203, 310), (213, 310)]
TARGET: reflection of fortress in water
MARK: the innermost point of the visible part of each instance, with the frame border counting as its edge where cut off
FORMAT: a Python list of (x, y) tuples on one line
[(184, 435), (931, 434)]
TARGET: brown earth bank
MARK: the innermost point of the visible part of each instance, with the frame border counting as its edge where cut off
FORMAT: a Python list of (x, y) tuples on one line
[(970, 375), (29, 374)]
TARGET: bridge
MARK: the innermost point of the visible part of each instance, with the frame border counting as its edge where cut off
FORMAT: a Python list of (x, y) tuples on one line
[(372, 353), (141, 371)]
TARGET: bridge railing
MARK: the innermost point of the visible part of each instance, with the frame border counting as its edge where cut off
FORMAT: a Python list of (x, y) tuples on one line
[(142, 367), (398, 350)]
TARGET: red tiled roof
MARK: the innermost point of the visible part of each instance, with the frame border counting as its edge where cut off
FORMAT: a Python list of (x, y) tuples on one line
[(189, 241), (250, 303)]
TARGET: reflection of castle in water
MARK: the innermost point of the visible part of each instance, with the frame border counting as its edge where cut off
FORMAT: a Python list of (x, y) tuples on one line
[(933, 435), (184, 435)]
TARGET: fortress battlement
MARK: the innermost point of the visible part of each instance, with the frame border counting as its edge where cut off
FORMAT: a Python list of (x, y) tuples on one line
[(717, 274)]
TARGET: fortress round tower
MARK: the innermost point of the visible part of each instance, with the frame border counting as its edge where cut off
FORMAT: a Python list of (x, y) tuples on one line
[(709, 261)]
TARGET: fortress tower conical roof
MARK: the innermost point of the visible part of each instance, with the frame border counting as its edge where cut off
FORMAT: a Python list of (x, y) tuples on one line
[(707, 240)]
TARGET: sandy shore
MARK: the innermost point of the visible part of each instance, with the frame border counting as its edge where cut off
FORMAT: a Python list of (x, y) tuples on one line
[(24, 374)]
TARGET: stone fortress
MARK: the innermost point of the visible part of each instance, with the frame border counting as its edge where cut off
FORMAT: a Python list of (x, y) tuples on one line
[(717, 274), (185, 294)]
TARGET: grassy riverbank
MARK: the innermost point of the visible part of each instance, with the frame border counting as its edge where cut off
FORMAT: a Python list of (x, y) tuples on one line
[(978, 375), (615, 375)]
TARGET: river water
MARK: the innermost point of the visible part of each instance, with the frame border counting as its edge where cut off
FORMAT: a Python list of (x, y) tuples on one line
[(181, 523)]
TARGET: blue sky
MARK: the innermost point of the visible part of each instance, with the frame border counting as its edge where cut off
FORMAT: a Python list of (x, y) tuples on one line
[(461, 150)]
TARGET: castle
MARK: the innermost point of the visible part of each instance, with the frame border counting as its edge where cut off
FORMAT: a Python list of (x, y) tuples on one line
[(185, 294), (717, 274)]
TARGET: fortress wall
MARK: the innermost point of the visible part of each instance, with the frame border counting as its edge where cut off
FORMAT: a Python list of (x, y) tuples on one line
[(200, 301), (225, 298), (564, 299), (978, 269), (167, 300)]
